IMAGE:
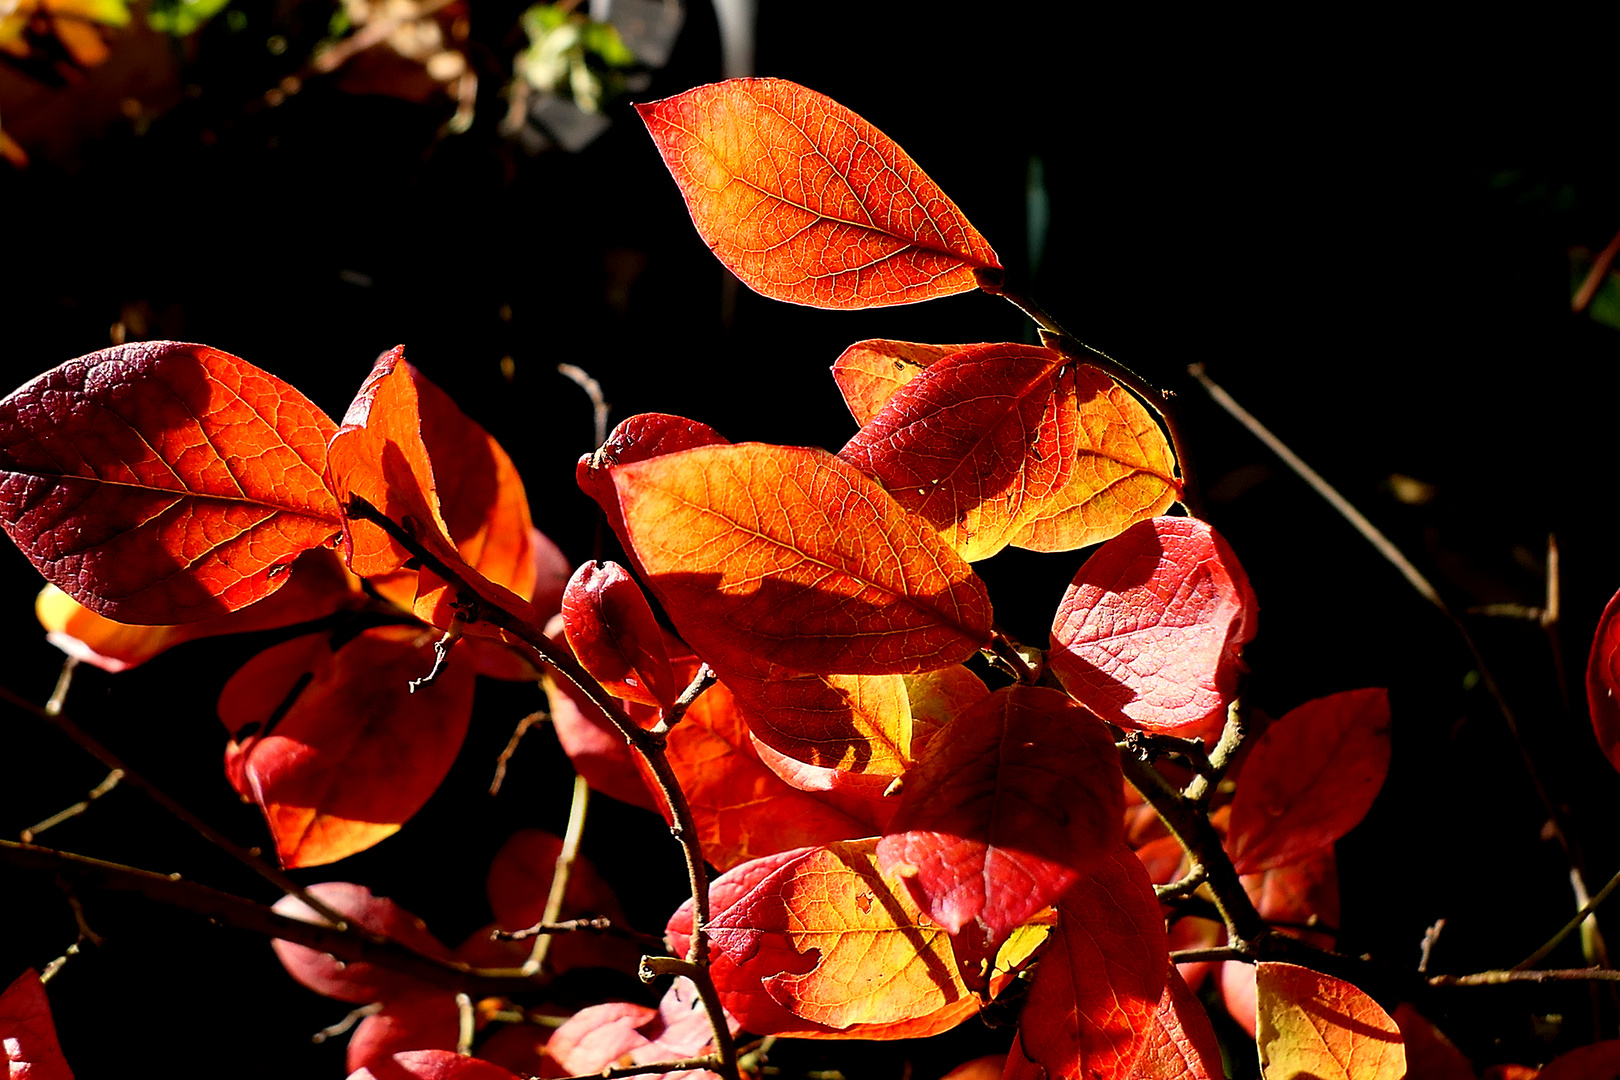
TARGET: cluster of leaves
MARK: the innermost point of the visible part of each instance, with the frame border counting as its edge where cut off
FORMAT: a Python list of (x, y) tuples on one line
[(902, 838)]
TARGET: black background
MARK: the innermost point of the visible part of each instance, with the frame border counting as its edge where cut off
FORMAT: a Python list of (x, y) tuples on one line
[(1362, 229)]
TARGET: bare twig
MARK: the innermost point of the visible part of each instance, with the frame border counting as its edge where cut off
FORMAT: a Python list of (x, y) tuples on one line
[(1570, 927), (1430, 937), (332, 1031), (511, 748), (600, 406), (612, 1071), (468, 1024), (566, 926), (1204, 784), (1189, 882), (1502, 978), (106, 785), (704, 679), (1594, 276), (562, 873)]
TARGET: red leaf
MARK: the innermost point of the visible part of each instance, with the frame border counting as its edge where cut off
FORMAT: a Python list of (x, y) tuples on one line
[(1601, 1059), (869, 372), (356, 753), (28, 1034), (1091, 1008), (613, 632), (520, 878), (1181, 1042), (359, 983), (789, 555), (1310, 779), (818, 943), (1429, 1054), (429, 1020), (439, 1065), (1315, 1027), (1018, 801), (619, 1033), (1603, 681), (595, 748), (1149, 633), (317, 586), (806, 202), (159, 482)]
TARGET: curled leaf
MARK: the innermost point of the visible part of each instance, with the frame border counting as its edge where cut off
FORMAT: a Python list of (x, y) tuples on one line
[(612, 631), (359, 982), (1603, 681)]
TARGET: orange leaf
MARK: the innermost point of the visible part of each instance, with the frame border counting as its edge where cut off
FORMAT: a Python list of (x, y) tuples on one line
[(1018, 800), (1181, 1042), (1310, 779), (806, 202), (790, 555), (317, 586), (869, 372), (159, 482), (817, 942), (333, 745), (1315, 1027), (1100, 979)]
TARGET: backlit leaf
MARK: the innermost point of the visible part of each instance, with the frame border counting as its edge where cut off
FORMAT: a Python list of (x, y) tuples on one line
[(429, 1020), (1017, 801), (817, 942), (1310, 779), (317, 586), (1603, 681), (595, 748), (869, 372), (355, 754), (637, 438), (807, 202), (936, 697), (159, 482), (358, 982), (28, 1034), (1091, 1008), (790, 555), (613, 632), (1315, 1027), (437, 1065), (1149, 633), (1181, 1042)]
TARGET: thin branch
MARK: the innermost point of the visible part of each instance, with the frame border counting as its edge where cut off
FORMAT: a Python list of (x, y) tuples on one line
[(332, 1031), (1204, 784), (704, 679), (1570, 927), (1502, 978), (350, 944), (1594, 276), (562, 873), (1012, 659), (106, 785), (1189, 882), (1430, 937), (567, 926), (468, 1026), (710, 1062), (600, 406), (62, 723), (511, 748), (1424, 587), (683, 826)]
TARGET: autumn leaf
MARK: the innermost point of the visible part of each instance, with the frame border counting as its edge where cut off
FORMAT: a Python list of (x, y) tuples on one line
[(160, 482), (1600, 1059), (357, 982), (936, 698), (1315, 1027), (817, 943), (1603, 681), (595, 748), (619, 1033), (806, 202), (869, 372), (1181, 1042), (333, 744), (1150, 631), (612, 631), (1310, 779), (27, 1032), (1429, 1054), (436, 1065), (425, 1020), (999, 444), (1019, 800), (789, 555), (1092, 1005), (317, 586), (641, 437)]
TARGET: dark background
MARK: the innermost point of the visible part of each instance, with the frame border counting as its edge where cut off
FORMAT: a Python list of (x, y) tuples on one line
[(1362, 230)]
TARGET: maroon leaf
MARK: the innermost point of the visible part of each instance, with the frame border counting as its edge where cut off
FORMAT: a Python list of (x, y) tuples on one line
[(1020, 799), (1603, 681), (619, 1033), (429, 1020), (438, 1065), (160, 482), (28, 1034), (1149, 633), (1310, 779), (611, 629)]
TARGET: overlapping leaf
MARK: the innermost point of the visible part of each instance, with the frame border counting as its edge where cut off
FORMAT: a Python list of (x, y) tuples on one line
[(869, 372), (790, 555), (1150, 632), (1310, 779), (1429, 1054), (807, 202), (436, 1065), (333, 745), (426, 1020), (160, 482), (1091, 1008), (1315, 1027), (999, 444), (1181, 1042), (1019, 799), (817, 942), (317, 586), (612, 631), (1603, 681), (28, 1034), (620, 1033), (358, 982)]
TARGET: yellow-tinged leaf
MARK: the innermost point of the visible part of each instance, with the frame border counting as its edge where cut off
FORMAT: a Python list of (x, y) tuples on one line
[(1312, 1026)]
